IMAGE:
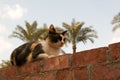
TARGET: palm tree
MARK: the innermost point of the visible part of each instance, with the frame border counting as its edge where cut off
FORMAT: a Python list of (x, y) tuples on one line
[(31, 32), (116, 22), (78, 34), (41, 33)]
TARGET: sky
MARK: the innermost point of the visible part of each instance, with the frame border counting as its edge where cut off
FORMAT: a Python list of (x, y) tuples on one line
[(96, 13)]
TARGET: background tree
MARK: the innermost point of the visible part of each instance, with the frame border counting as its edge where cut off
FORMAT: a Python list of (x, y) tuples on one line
[(41, 33), (116, 22), (31, 32), (78, 34)]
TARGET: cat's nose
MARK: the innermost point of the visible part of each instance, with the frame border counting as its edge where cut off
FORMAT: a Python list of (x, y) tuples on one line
[(62, 43)]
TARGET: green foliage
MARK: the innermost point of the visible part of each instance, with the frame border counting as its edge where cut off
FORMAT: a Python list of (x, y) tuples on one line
[(87, 33), (5, 63), (116, 22), (78, 34), (31, 32), (116, 18)]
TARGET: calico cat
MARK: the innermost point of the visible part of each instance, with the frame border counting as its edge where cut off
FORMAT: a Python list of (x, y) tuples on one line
[(40, 49)]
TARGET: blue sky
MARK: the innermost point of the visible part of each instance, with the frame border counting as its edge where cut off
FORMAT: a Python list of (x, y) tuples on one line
[(96, 13)]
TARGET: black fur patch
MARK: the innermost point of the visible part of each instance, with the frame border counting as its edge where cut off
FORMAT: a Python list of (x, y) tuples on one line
[(37, 50), (55, 38), (21, 53)]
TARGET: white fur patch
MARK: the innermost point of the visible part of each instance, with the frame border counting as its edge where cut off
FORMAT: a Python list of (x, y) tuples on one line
[(42, 56), (50, 48)]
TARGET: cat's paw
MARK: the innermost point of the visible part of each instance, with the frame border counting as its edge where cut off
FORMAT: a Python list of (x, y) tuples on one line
[(50, 56), (42, 56)]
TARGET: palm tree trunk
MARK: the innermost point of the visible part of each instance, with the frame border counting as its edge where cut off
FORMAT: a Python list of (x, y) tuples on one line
[(74, 48)]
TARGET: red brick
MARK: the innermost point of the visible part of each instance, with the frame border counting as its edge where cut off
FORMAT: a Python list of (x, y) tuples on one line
[(64, 61), (51, 64), (4, 72), (27, 78), (106, 72), (57, 62), (9, 71), (29, 68), (20, 78), (17, 78), (64, 75), (3, 78), (44, 76), (115, 51), (80, 73), (90, 57)]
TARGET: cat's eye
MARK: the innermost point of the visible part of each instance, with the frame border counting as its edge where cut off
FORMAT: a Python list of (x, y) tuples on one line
[(60, 38), (64, 39), (55, 40)]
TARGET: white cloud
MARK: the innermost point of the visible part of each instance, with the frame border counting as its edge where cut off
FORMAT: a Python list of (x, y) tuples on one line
[(116, 36), (5, 48), (4, 45), (2, 28), (12, 11)]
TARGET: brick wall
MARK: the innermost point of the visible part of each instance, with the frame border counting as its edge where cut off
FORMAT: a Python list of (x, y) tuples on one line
[(95, 64)]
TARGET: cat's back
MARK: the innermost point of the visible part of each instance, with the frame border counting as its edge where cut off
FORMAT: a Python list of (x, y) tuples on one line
[(21, 53)]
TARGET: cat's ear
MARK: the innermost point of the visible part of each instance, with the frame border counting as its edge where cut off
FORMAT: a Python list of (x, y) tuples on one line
[(52, 29), (63, 33)]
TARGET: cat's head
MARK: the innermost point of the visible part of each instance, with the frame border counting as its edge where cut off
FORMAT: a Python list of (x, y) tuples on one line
[(56, 39)]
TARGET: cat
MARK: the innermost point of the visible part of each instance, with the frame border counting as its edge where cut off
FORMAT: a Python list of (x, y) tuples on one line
[(40, 49)]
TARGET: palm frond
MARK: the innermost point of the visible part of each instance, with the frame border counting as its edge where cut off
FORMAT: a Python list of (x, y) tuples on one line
[(116, 19), (34, 24), (21, 30), (67, 26), (28, 26), (27, 34), (115, 27), (91, 39), (18, 35), (87, 36), (77, 29), (42, 33)]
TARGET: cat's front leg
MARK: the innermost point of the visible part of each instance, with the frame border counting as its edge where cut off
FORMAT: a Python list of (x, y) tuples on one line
[(42, 56), (50, 56)]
